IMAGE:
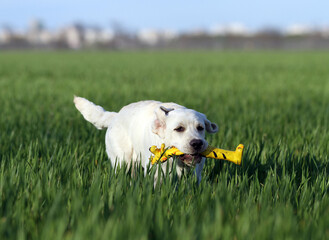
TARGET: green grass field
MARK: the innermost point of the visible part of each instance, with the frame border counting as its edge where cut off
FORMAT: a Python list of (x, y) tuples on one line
[(57, 183)]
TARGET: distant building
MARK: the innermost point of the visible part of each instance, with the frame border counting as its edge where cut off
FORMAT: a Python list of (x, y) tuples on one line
[(325, 32), (148, 36), (94, 35), (153, 37), (6, 35), (298, 29), (230, 29), (34, 31), (74, 36)]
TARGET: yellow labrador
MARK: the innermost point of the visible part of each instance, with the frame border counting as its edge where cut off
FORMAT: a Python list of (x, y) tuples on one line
[(138, 126)]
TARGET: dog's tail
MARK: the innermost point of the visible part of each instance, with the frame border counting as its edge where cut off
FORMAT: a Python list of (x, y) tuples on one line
[(93, 113)]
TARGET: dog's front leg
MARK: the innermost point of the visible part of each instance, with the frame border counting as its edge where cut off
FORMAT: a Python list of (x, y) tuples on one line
[(198, 169)]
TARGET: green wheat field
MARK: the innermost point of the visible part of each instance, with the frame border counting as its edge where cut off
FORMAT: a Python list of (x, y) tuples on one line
[(56, 181)]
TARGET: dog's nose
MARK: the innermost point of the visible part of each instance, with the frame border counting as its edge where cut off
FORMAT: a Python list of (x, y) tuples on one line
[(197, 144)]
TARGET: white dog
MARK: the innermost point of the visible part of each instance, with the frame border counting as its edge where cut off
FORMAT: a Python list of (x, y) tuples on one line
[(138, 126)]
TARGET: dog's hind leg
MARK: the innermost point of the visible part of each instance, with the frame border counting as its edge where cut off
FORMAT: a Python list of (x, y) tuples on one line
[(118, 147)]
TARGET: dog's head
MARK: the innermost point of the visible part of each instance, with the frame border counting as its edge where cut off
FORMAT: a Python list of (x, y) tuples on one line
[(184, 129)]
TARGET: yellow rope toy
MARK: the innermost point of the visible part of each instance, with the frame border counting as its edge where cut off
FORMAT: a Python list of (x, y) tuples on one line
[(162, 154)]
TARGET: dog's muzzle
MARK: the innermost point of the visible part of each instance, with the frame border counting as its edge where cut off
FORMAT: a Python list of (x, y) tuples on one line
[(190, 159)]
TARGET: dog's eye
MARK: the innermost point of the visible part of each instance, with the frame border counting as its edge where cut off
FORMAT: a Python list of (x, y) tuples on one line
[(179, 129), (200, 128)]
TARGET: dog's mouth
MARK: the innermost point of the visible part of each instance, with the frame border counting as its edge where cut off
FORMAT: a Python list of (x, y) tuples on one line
[(190, 159)]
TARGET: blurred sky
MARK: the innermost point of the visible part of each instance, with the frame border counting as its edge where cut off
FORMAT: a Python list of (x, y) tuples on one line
[(177, 15)]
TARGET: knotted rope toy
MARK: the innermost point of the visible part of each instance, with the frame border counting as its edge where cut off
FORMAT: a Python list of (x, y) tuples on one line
[(162, 154)]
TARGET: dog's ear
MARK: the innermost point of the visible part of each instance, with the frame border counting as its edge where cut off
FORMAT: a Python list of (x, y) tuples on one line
[(210, 126), (166, 110), (158, 127), (159, 124)]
